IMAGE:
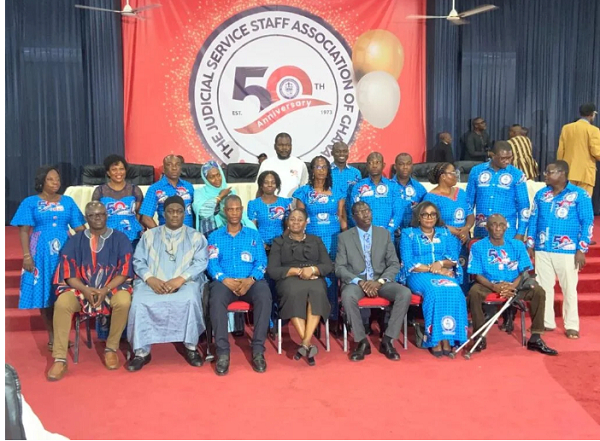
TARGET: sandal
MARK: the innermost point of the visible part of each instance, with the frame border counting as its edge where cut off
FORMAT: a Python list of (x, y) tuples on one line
[(310, 356), (301, 352), (572, 334)]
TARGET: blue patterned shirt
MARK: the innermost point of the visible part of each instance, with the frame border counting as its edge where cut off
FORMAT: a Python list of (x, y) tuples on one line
[(237, 257), (563, 223), (158, 193), (499, 192), (499, 263), (383, 198), (343, 180), (269, 218), (413, 192)]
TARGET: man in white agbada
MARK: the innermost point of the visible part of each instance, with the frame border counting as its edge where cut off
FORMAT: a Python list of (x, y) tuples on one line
[(167, 297)]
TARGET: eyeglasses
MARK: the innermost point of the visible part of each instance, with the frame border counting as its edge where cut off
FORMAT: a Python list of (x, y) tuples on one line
[(454, 173), (433, 215), (320, 167)]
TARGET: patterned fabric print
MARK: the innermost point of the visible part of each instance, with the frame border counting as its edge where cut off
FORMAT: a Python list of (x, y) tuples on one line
[(413, 192), (444, 305), (269, 218), (499, 263), (50, 222), (343, 180), (238, 257), (388, 209), (323, 221), (499, 192), (121, 214), (158, 193), (563, 223)]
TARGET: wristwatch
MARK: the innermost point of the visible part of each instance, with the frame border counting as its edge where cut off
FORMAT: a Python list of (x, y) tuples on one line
[(382, 281)]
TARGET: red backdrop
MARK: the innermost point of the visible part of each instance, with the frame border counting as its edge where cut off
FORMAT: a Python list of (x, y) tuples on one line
[(218, 79)]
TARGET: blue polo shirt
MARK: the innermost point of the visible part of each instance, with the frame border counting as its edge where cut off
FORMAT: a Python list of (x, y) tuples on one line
[(384, 199), (413, 192), (237, 257), (499, 263), (157, 194)]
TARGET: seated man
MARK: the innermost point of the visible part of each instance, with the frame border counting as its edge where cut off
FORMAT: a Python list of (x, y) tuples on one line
[(497, 263), (237, 262), (367, 265), (167, 296), (93, 277)]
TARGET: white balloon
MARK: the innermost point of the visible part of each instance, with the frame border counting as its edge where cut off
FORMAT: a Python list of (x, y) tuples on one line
[(378, 97)]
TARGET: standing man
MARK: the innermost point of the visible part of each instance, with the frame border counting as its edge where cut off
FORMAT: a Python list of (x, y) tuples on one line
[(579, 146), (343, 175), (522, 152), (477, 142), (367, 264), (169, 185), (560, 231), (496, 187), (442, 151), (291, 170), (411, 190), (237, 262)]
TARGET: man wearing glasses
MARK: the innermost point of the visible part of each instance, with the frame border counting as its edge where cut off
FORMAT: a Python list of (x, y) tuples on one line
[(579, 146), (560, 231), (477, 141)]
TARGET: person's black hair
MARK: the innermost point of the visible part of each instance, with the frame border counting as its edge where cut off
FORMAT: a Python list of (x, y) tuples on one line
[(436, 172), (261, 179), (282, 135), (111, 160), (501, 146), (562, 166), (261, 155), (301, 210), (475, 119), (40, 176), (587, 109), (373, 154), (357, 205), (402, 154), (232, 197), (416, 214), (311, 175)]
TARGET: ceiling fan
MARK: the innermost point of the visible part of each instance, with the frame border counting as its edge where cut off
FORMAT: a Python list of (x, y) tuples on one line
[(455, 17), (127, 11)]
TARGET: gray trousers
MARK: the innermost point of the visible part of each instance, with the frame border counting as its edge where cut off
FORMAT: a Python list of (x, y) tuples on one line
[(398, 294)]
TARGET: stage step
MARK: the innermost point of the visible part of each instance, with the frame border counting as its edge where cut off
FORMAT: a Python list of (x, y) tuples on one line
[(11, 298), (13, 279), (13, 264)]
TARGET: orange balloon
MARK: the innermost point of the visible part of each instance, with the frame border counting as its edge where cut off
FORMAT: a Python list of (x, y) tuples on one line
[(377, 49)]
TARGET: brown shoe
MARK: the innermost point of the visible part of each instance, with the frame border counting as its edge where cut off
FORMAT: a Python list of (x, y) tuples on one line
[(111, 360), (57, 371)]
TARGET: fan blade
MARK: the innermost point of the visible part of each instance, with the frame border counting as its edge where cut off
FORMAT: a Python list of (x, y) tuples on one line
[(145, 8), (458, 22), (478, 10), (418, 17), (96, 9)]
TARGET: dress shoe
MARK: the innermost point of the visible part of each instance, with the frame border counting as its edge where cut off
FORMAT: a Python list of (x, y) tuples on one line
[(482, 346), (111, 360), (387, 348), (436, 354), (57, 371), (259, 364), (222, 365), (362, 348), (193, 358), (539, 346), (138, 362)]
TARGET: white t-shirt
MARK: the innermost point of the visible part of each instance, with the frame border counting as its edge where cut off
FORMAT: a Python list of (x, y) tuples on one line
[(292, 171)]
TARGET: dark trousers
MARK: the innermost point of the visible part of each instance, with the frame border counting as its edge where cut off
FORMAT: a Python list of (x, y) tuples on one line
[(259, 296), (536, 297)]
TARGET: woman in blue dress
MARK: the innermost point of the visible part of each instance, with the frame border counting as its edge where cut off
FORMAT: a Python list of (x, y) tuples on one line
[(43, 222), (455, 210), (430, 269), (121, 199), (326, 215)]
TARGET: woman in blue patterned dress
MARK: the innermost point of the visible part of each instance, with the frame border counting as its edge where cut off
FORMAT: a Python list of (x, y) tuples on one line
[(326, 215), (455, 210), (49, 214), (429, 268), (121, 199)]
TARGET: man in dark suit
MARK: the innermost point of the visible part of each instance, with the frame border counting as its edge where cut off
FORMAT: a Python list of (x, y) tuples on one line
[(367, 265), (442, 151), (477, 142)]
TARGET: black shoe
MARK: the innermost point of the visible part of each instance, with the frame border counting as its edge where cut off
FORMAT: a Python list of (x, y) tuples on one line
[(540, 346), (138, 362), (388, 349), (238, 333), (222, 365), (362, 348), (481, 347), (259, 364), (193, 358)]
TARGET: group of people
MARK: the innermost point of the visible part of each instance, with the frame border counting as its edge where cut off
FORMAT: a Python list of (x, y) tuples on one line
[(307, 231)]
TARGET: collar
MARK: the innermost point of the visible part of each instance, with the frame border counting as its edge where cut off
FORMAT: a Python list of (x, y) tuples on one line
[(177, 231), (179, 182), (409, 182), (583, 119), (335, 167), (382, 181), (242, 231), (362, 232), (105, 235)]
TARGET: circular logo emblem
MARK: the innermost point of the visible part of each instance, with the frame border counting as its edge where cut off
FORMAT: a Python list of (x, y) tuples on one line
[(381, 189), (459, 215), (266, 71), (448, 323), (410, 191), (571, 197), (525, 213), (506, 179), (542, 237), (462, 261), (562, 212), (485, 177)]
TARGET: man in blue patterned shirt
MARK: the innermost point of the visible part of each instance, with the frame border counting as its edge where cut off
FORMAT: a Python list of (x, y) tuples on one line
[(411, 190), (237, 262), (496, 187), (560, 231), (343, 176), (169, 185), (497, 262)]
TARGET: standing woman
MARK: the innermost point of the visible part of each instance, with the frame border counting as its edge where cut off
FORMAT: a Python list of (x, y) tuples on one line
[(455, 210), (121, 199), (49, 214), (326, 215), (430, 269)]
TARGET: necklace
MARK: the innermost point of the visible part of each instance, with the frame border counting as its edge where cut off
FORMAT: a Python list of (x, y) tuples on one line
[(293, 238)]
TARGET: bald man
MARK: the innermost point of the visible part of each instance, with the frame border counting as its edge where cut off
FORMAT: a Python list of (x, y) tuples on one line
[(442, 151)]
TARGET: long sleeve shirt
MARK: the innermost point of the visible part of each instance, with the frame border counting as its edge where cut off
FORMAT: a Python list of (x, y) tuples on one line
[(237, 257), (384, 199)]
